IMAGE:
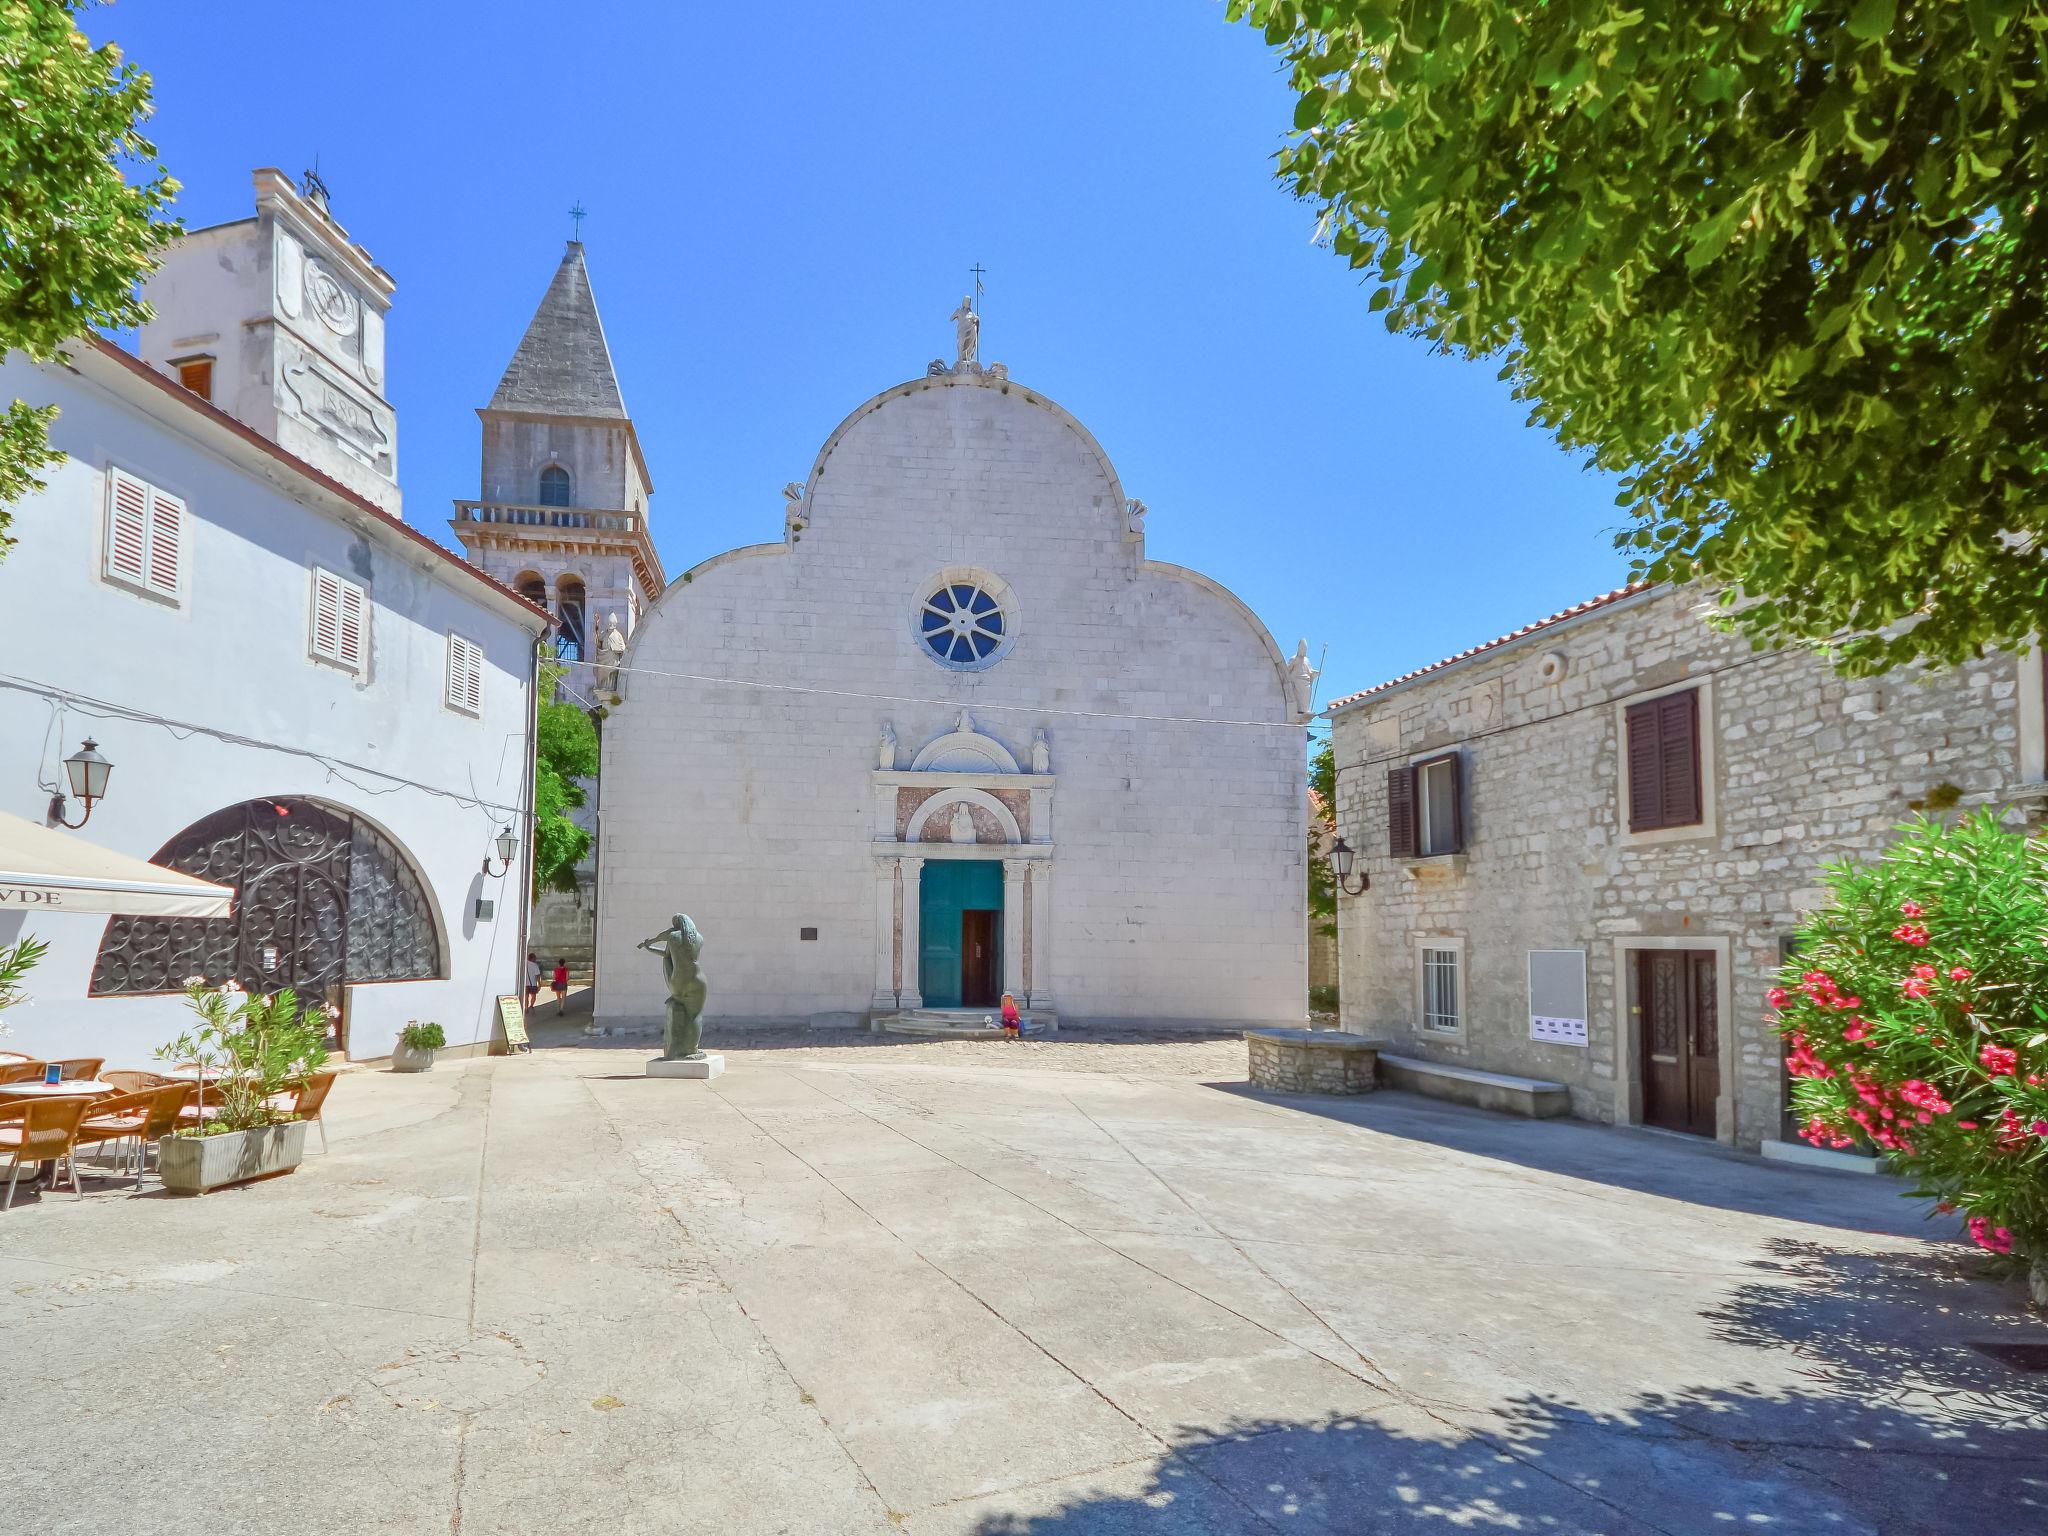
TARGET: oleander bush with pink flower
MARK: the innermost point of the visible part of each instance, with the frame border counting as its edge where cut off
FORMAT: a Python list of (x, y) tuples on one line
[(1916, 1021)]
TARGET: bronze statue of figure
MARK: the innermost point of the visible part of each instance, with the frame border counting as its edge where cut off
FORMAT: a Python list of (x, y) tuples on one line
[(679, 945)]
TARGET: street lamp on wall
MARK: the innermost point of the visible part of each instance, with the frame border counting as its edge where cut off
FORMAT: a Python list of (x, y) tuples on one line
[(508, 846), (1341, 858), (87, 771)]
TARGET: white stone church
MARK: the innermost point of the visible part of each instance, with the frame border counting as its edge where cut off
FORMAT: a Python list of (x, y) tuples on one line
[(954, 735)]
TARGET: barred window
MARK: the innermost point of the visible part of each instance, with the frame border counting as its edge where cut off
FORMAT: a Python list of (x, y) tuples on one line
[(1440, 990)]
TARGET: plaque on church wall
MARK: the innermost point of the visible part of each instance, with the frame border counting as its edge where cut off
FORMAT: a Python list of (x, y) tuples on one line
[(373, 346)]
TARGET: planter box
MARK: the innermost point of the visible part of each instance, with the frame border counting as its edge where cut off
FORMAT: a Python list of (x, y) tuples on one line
[(191, 1165), (405, 1059)]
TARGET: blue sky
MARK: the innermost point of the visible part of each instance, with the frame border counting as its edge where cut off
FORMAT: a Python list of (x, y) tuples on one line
[(783, 207)]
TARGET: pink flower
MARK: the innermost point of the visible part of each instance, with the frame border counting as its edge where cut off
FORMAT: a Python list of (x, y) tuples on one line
[(1999, 1060), (1910, 933), (1777, 997), (1914, 987), (1910, 909), (1924, 972), (1997, 1239), (1960, 973)]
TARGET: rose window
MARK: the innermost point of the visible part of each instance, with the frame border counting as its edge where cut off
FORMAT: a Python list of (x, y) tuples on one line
[(962, 625)]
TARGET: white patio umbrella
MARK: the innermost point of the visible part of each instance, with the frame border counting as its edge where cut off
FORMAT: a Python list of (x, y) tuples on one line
[(42, 870)]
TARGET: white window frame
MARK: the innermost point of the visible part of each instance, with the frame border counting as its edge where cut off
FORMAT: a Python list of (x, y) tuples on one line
[(462, 685), (1440, 944), (346, 593), (159, 512), (1709, 730), (1442, 765)]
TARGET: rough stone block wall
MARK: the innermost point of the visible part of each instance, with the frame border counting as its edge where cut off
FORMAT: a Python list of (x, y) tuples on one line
[(1178, 877), (1293, 1066), (1806, 767)]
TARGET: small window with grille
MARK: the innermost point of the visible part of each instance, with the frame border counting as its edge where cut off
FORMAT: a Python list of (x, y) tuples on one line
[(1440, 990)]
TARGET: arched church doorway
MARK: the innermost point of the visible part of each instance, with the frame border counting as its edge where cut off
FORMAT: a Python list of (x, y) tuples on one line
[(960, 933), (322, 900)]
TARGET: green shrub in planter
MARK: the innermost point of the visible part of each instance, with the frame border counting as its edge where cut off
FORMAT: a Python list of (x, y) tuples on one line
[(1916, 1015), (252, 1050), (422, 1037)]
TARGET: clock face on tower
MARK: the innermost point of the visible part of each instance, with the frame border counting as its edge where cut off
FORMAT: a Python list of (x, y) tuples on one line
[(330, 298)]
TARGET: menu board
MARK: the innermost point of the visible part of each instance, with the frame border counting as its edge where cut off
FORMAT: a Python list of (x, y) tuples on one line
[(512, 1017)]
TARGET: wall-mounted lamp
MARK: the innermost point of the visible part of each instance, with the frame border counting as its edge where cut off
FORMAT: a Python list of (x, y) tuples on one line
[(87, 771), (508, 846), (1340, 865)]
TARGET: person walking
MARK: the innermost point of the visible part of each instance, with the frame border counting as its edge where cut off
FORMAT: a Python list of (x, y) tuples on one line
[(1013, 1021), (560, 982), (532, 981)]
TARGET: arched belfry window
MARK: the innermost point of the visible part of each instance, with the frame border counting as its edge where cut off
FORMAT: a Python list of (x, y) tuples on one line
[(554, 487), (322, 898), (570, 618)]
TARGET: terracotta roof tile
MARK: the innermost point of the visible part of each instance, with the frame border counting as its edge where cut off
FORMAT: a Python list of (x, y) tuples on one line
[(1573, 612)]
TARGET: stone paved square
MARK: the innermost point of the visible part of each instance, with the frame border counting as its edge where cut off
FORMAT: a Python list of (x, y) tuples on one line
[(1066, 1286)]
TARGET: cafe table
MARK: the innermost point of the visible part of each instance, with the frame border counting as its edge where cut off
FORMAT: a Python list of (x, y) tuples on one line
[(69, 1088)]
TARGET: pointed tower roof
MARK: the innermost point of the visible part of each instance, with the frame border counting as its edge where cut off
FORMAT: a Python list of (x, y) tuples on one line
[(563, 367)]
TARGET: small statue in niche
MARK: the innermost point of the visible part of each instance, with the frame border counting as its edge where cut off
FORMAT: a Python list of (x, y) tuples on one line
[(1041, 752), (1134, 517), (885, 749), (963, 824)]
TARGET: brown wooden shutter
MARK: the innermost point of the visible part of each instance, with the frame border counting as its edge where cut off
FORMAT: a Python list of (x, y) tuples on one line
[(1678, 740), (1401, 813), (1457, 803), (1645, 768)]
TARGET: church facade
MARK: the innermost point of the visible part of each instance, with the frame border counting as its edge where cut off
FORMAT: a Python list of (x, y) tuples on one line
[(955, 735)]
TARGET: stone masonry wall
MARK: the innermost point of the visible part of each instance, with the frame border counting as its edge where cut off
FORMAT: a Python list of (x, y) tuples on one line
[(1801, 766), (1297, 1066)]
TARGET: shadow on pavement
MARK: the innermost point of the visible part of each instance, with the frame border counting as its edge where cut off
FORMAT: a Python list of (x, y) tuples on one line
[(1676, 1167), (1906, 1428)]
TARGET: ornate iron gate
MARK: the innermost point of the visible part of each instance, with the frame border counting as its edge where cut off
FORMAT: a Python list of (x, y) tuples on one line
[(321, 899)]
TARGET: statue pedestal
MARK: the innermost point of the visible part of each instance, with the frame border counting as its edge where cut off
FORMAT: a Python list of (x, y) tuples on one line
[(706, 1066)]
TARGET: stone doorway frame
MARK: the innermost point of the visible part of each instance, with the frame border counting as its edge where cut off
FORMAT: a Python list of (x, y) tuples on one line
[(1626, 1022)]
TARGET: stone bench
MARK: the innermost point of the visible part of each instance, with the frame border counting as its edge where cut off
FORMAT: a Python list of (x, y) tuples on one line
[(1530, 1097), (1312, 1060)]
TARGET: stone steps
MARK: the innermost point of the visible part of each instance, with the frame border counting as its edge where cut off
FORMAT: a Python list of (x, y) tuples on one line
[(959, 1023)]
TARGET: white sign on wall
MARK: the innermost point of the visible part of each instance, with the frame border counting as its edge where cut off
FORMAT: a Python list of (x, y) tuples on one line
[(1557, 996)]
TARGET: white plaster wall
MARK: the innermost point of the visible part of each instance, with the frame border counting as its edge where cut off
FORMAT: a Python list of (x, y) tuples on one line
[(234, 657), (1178, 876), (210, 282)]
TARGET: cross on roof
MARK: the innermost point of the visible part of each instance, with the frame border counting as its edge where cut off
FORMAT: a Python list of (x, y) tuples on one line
[(979, 272), (578, 213)]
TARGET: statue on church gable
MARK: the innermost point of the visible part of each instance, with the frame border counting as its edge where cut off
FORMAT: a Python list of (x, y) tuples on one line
[(611, 650), (885, 749), (967, 338), (1041, 752), (679, 945), (1301, 680), (1134, 517), (794, 516)]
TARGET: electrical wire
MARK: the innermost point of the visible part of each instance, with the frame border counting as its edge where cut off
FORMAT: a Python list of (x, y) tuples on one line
[(184, 730)]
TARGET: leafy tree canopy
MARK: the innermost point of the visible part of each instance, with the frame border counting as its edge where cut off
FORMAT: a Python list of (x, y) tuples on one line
[(1322, 830), (76, 238), (1778, 265), (565, 750)]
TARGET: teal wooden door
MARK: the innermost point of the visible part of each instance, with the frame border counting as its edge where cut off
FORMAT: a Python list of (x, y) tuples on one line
[(946, 889)]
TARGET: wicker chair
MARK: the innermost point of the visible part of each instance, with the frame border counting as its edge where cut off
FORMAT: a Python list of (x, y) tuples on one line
[(128, 1079), (309, 1096), (20, 1071), (80, 1069), (41, 1130), (144, 1115)]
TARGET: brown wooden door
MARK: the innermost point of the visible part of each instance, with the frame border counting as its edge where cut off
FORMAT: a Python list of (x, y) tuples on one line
[(1680, 1042), (978, 969)]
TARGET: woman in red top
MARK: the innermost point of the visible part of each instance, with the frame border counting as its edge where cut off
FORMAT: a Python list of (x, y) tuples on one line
[(560, 982), (1013, 1022)]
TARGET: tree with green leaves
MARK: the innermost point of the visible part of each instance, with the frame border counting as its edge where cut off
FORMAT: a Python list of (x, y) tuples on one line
[(76, 235), (1322, 831), (1780, 266), (565, 750)]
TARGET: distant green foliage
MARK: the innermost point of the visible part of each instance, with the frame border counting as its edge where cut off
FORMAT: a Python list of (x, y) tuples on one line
[(76, 237), (1322, 827), (1781, 266), (565, 750)]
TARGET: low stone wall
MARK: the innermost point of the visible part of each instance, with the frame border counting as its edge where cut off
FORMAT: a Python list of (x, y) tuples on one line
[(1312, 1060)]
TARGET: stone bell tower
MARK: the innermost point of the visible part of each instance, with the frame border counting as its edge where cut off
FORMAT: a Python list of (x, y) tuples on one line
[(562, 509)]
